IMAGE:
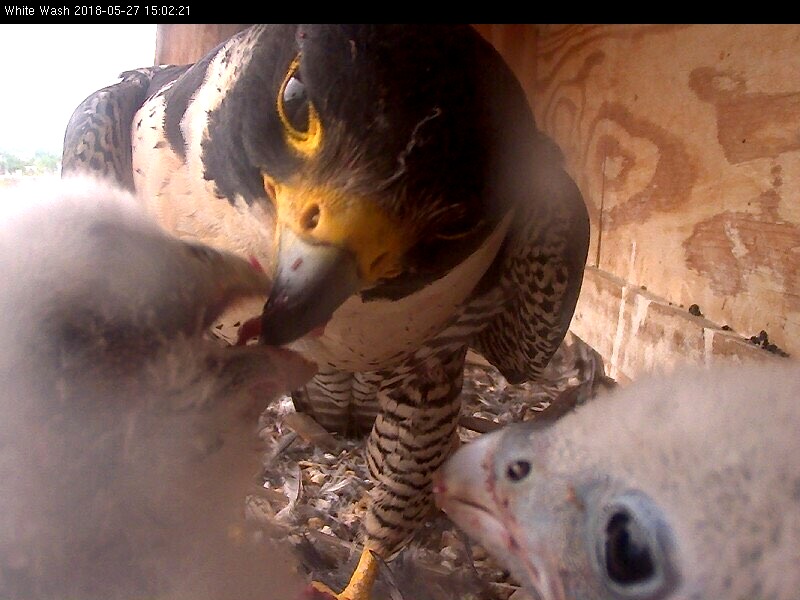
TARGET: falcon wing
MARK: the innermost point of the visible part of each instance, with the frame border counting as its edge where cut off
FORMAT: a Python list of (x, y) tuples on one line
[(98, 136), (542, 264)]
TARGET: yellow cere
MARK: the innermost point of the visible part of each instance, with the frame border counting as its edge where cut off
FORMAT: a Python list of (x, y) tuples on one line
[(307, 142), (324, 216)]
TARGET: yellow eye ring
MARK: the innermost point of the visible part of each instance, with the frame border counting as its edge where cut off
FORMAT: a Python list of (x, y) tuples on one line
[(301, 124)]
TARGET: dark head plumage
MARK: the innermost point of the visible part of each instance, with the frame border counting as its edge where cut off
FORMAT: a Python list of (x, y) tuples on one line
[(412, 121), (421, 132)]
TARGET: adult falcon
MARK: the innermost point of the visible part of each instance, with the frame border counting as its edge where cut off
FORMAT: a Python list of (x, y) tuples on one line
[(392, 179)]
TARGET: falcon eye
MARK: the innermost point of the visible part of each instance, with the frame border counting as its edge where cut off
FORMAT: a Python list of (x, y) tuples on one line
[(454, 232), (295, 104), (457, 223), (301, 123)]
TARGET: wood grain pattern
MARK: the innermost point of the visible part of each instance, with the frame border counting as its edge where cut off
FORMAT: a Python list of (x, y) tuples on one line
[(181, 44), (685, 140)]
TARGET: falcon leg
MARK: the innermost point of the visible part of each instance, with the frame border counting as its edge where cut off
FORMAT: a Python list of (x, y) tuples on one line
[(327, 398), (413, 434), (342, 402)]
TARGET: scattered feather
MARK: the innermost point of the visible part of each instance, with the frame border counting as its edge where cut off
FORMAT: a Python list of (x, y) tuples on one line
[(325, 486)]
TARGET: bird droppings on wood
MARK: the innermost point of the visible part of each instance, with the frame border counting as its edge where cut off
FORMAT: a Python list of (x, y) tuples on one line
[(762, 341), (315, 487)]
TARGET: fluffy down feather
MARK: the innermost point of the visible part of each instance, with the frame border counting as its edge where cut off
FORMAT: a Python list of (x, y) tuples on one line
[(681, 487), (127, 441)]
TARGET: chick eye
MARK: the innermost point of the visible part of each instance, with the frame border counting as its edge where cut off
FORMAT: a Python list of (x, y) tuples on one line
[(634, 548), (628, 556), (518, 470), (300, 119), (295, 103)]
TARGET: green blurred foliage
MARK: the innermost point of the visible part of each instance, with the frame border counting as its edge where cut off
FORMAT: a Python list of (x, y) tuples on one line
[(39, 164)]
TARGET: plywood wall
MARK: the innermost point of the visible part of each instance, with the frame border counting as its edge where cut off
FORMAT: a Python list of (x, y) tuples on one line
[(182, 44), (685, 141)]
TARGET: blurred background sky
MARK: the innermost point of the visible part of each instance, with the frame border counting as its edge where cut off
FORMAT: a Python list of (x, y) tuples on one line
[(47, 70)]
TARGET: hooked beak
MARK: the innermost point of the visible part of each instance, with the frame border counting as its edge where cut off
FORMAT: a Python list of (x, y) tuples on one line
[(330, 246), (311, 282)]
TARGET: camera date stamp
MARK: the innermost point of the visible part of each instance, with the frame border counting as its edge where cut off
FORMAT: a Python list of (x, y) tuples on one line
[(78, 11)]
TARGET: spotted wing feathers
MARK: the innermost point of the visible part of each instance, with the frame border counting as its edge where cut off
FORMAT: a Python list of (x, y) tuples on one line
[(98, 136)]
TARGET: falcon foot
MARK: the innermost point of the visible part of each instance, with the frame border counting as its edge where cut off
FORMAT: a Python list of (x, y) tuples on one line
[(360, 584)]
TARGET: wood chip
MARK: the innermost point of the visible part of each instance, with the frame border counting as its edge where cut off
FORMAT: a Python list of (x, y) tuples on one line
[(478, 424), (281, 447), (312, 432)]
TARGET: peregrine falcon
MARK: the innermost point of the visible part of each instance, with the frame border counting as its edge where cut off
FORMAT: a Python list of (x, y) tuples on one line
[(675, 488), (392, 179)]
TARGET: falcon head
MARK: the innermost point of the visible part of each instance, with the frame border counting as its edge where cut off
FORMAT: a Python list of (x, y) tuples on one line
[(386, 154)]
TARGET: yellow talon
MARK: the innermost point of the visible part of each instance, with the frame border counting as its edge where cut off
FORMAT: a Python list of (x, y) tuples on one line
[(360, 583)]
